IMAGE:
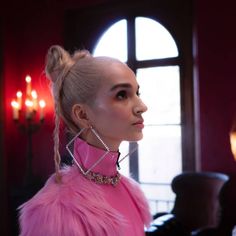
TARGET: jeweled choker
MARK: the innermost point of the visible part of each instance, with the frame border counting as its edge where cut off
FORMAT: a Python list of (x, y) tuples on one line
[(103, 179)]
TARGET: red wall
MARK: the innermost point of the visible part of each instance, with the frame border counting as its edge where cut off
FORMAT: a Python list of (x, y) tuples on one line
[(27, 36), (216, 50)]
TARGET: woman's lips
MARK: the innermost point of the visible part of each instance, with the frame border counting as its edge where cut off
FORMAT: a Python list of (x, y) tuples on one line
[(139, 124)]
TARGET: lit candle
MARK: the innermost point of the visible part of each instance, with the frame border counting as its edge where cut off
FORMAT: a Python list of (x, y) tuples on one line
[(28, 86), (15, 109), (233, 143), (42, 104), (29, 109), (19, 99), (35, 100)]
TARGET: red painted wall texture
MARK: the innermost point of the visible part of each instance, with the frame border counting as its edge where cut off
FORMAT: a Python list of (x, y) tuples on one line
[(216, 50), (26, 40)]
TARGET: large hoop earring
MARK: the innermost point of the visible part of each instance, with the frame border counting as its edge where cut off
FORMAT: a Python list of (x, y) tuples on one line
[(85, 172), (128, 154)]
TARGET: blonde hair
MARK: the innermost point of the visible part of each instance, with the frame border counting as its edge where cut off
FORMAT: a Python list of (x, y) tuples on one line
[(74, 79)]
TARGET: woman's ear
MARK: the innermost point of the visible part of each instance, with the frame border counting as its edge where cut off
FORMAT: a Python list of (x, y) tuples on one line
[(79, 115)]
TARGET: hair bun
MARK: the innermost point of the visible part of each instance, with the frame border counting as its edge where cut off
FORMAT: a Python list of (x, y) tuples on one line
[(57, 60)]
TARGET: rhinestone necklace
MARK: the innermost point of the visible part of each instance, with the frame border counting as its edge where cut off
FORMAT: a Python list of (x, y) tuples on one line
[(103, 179)]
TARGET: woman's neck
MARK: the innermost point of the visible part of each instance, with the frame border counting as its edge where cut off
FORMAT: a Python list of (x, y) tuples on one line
[(101, 141)]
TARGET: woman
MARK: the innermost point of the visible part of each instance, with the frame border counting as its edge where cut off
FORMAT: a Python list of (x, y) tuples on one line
[(98, 99)]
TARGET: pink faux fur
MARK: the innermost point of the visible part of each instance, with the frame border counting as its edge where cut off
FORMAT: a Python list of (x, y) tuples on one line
[(77, 207)]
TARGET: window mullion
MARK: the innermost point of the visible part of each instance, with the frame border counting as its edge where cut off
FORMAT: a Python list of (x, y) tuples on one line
[(131, 44), (158, 62)]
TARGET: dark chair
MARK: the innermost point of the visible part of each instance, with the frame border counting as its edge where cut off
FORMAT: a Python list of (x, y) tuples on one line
[(166, 225), (197, 205), (227, 212)]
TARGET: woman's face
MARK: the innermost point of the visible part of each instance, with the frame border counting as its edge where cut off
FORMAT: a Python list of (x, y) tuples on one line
[(116, 113)]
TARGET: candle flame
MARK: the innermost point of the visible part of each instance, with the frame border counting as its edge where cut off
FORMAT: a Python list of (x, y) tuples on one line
[(233, 143), (28, 103), (19, 94), (42, 103), (34, 94), (15, 104), (28, 79)]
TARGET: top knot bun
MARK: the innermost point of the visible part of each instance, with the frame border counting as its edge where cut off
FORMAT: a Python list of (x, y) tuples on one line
[(57, 61)]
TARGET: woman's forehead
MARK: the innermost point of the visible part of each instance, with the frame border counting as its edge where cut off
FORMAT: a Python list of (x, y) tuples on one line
[(118, 73)]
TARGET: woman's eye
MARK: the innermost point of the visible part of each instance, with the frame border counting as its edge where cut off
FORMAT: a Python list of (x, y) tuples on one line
[(138, 93), (121, 95)]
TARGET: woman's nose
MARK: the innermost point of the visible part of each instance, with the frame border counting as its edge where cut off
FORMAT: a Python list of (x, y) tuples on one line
[(140, 107)]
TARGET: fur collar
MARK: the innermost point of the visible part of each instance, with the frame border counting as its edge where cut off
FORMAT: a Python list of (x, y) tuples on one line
[(56, 208)]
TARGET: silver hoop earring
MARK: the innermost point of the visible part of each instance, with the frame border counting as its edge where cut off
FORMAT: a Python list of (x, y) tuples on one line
[(85, 172)]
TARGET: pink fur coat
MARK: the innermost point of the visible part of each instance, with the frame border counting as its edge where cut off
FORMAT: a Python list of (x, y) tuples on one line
[(78, 207)]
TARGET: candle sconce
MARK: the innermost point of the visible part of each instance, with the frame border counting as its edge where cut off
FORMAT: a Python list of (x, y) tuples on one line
[(28, 115)]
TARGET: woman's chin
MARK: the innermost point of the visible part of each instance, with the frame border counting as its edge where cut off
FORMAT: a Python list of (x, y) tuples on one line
[(135, 138)]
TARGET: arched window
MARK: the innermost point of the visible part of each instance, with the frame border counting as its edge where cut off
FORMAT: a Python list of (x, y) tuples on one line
[(159, 156)]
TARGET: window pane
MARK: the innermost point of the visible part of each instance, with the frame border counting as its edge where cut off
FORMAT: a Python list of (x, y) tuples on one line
[(160, 196), (113, 42), (159, 162), (160, 154), (160, 91), (153, 41), (124, 165)]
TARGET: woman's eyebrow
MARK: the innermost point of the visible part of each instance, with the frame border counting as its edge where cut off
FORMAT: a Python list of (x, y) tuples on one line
[(123, 85)]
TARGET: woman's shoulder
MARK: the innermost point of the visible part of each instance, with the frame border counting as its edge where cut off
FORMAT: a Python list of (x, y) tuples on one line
[(70, 184), (50, 189), (41, 215), (139, 198), (71, 207)]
